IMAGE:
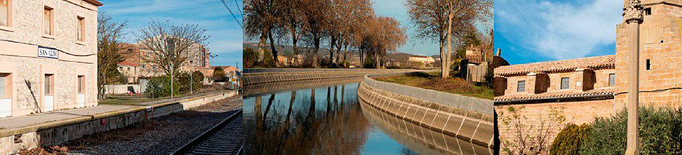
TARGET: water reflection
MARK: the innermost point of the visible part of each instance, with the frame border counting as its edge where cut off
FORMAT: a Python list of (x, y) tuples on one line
[(421, 140), (319, 120)]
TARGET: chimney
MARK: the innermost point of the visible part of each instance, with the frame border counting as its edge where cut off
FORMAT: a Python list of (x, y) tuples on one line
[(499, 52)]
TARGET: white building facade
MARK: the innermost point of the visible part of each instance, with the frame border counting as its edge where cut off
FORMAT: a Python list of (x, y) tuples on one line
[(48, 55)]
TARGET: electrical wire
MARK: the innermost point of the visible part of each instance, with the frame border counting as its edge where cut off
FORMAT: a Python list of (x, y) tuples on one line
[(233, 16)]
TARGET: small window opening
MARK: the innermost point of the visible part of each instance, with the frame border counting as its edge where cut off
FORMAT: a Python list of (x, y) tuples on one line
[(648, 64)]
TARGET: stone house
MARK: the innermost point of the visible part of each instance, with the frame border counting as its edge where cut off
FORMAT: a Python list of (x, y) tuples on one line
[(476, 64), (586, 88), (130, 70), (139, 60), (48, 59), (423, 61)]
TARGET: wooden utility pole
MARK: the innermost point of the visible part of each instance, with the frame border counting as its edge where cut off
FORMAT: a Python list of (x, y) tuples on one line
[(632, 13)]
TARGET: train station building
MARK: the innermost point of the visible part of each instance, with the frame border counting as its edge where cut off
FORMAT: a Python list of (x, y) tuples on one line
[(48, 55)]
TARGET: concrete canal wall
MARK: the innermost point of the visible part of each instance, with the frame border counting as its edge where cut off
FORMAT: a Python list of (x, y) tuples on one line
[(467, 118), (273, 87), (419, 139), (60, 131), (257, 76)]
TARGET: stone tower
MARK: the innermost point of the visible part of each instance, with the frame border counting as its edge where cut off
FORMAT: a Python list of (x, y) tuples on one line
[(660, 59)]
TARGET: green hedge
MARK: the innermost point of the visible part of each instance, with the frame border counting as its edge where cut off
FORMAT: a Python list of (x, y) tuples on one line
[(160, 86), (660, 132), (568, 141)]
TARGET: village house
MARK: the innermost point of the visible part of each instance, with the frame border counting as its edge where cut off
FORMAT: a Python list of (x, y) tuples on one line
[(137, 62), (422, 61), (48, 59), (586, 88), (282, 60), (476, 67)]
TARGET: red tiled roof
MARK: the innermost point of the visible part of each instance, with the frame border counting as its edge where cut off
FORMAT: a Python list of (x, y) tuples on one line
[(555, 95), (475, 58), (558, 66), (94, 2), (127, 63)]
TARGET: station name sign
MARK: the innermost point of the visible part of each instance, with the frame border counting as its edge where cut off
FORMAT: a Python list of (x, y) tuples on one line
[(46, 52)]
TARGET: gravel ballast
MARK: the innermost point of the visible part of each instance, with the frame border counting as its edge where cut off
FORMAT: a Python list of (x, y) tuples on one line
[(160, 135)]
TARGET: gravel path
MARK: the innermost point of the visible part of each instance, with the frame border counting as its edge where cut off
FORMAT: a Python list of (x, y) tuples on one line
[(160, 135)]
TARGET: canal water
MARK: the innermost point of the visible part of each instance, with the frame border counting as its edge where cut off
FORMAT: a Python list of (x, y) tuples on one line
[(328, 119)]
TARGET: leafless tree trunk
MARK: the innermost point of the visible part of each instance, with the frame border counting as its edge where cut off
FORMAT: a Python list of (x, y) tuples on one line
[(172, 44), (108, 35)]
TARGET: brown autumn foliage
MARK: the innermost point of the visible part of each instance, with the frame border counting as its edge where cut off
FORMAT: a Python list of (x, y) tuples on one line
[(310, 23)]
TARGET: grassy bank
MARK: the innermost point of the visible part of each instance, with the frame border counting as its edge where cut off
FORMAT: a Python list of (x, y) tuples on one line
[(432, 80)]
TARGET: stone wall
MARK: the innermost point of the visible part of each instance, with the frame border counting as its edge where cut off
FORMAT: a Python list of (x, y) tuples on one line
[(578, 112), (54, 133), (28, 77), (256, 76), (660, 44), (538, 83), (471, 125), (19, 55), (122, 89), (417, 138), (265, 88)]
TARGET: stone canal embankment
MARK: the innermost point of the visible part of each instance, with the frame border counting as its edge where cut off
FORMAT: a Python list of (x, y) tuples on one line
[(467, 118), (268, 75), (52, 128)]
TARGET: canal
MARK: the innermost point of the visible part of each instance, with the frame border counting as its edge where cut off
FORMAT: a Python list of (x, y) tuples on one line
[(323, 118)]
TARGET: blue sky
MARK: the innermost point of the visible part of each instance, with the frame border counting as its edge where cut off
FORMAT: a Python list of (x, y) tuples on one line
[(414, 45), (226, 35), (542, 30)]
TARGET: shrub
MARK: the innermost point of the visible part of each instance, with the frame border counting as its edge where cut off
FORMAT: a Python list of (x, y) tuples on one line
[(660, 132), (568, 141), (250, 57), (268, 59), (183, 80), (160, 87)]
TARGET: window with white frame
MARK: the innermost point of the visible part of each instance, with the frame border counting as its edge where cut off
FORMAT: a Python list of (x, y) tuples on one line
[(5, 12), (81, 84), (48, 24), (49, 84), (4, 84), (80, 28)]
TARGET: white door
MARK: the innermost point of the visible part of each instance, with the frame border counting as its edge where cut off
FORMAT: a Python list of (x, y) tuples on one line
[(5, 107), (81, 100), (49, 103)]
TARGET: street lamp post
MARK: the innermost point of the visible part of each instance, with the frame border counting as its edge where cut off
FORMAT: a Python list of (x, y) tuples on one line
[(632, 12), (172, 70), (191, 77)]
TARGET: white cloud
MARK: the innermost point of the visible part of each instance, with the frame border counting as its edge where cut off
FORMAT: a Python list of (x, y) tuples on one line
[(559, 30)]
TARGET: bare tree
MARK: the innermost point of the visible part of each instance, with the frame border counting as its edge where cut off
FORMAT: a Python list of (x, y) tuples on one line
[(529, 138), (261, 19), (315, 24), (441, 19), (109, 34), (172, 44), (292, 18)]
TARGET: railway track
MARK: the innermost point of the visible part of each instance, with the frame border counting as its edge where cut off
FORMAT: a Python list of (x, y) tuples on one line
[(220, 139)]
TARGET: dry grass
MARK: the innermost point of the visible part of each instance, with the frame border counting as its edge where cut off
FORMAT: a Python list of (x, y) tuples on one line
[(432, 81)]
